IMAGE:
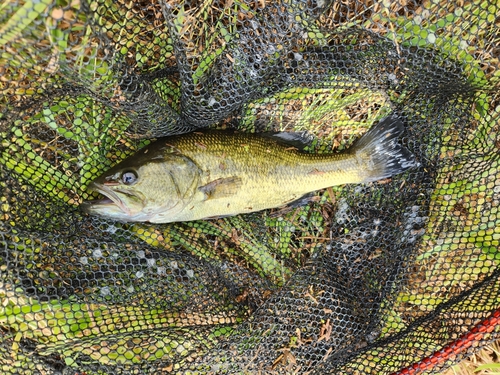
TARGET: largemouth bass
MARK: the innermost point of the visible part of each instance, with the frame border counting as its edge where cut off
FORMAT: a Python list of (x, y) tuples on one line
[(210, 174)]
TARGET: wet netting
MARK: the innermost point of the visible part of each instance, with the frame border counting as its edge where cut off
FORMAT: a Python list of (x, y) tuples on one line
[(396, 276)]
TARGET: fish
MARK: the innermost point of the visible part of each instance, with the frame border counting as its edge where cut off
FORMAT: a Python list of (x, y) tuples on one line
[(218, 173)]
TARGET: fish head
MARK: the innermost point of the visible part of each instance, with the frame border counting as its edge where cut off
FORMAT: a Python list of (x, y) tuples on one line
[(143, 189)]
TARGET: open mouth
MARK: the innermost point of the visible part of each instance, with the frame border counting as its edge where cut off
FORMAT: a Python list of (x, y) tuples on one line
[(111, 199)]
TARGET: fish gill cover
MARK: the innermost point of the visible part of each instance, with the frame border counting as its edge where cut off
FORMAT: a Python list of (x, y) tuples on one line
[(394, 276)]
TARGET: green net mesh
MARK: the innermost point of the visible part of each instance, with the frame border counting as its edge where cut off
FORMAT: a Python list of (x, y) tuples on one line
[(399, 276)]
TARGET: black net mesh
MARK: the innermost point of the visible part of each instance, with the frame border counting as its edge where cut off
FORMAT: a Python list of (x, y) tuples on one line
[(396, 276)]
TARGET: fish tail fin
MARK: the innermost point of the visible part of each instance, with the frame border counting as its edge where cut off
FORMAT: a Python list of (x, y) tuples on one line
[(379, 152)]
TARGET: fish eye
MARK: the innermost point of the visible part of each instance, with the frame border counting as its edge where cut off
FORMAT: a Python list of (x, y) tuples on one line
[(129, 177)]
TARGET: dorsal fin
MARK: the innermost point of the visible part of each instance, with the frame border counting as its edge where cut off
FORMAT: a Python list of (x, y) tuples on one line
[(299, 140)]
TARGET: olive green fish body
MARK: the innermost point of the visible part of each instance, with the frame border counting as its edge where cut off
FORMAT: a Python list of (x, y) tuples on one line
[(244, 173), (217, 173)]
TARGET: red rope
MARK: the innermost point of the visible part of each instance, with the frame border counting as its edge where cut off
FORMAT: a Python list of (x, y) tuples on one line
[(459, 346)]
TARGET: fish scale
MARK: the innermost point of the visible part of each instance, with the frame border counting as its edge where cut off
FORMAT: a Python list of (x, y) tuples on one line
[(213, 173)]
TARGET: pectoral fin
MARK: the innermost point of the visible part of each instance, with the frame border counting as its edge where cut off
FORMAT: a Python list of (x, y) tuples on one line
[(222, 187)]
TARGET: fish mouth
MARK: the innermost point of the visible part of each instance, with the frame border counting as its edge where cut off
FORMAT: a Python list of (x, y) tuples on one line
[(111, 200)]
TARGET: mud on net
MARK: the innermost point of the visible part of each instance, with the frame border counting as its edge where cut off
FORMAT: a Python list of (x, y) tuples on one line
[(396, 276)]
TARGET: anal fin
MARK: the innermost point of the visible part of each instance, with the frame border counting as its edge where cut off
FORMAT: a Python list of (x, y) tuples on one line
[(297, 203)]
